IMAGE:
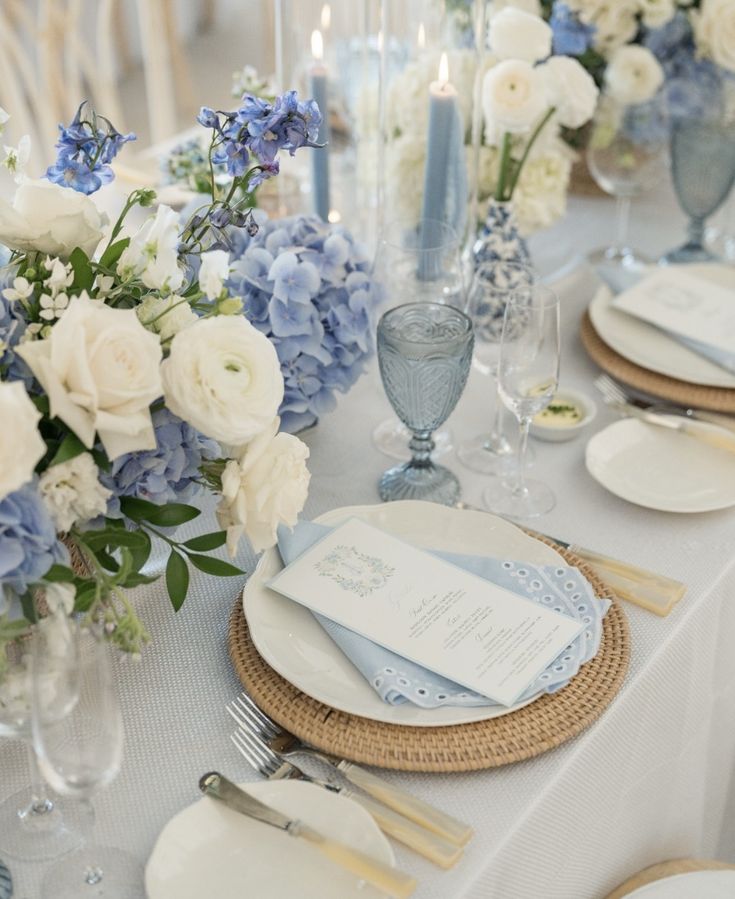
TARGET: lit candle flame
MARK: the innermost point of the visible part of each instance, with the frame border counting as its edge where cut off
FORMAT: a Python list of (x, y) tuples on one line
[(421, 38), (326, 18), (317, 45), (443, 70)]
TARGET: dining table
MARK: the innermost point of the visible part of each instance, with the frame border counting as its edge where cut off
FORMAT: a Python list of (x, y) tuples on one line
[(650, 780)]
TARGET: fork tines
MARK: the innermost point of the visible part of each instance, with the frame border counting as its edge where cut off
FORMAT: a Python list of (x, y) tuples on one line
[(255, 752), (611, 391), (247, 714)]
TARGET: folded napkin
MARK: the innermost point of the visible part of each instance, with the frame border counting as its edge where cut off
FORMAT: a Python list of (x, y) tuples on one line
[(397, 680), (723, 358)]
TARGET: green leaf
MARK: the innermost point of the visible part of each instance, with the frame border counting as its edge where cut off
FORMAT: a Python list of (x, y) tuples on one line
[(214, 566), (207, 541), (168, 516), (69, 447), (113, 252), (136, 509), (83, 274), (135, 580), (177, 579), (28, 606), (86, 593), (59, 573), (141, 552), (106, 560), (42, 404), (9, 630)]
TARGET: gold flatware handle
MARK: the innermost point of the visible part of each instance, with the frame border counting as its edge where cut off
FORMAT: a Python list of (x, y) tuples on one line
[(714, 436), (410, 806)]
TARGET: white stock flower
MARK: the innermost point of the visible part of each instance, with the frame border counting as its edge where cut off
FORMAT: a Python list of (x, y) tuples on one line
[(21, 445), (214, 271), (72, 492), (571, 90), (21, 290), (59, 598), (16, 158), (50, 219), (714, 30), (656, 13), (224, 378), (265, 487), (633, 75), (100, 369), (513, 97), (60, 275), (152, 254), (530, 6), (166, 315), (515, 34)]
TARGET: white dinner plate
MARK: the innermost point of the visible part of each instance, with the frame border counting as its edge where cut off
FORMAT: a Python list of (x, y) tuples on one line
[(693, 885), (661, 469), (207, 850), (649, 347), (291, 641)]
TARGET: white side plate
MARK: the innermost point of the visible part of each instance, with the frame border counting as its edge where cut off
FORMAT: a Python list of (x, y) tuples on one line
[(699, 884)]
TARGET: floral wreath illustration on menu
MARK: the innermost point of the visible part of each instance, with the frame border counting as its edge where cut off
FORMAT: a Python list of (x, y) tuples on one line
[(354, 571)]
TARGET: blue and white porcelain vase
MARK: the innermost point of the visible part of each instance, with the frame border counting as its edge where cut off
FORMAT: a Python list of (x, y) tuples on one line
[(499, 238)]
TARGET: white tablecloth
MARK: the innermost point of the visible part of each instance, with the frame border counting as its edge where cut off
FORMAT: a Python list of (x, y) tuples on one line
[(649, 781)]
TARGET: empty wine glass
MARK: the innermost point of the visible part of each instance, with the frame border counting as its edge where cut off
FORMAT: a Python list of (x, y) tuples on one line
[(627, 155), (494, 284), (424, 352), (416, 264), (528, 375), (80, 751)]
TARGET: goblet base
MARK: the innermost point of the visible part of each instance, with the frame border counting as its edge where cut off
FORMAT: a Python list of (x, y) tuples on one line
[(392, 438), (688, 253), (488, 455), (504, 500), (95, 871), (432, 483), (39, 835)]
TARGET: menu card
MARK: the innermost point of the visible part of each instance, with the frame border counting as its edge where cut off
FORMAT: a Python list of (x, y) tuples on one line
[(428, 610), (684, 305)]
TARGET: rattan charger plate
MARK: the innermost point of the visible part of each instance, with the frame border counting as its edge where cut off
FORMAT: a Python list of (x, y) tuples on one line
[(544, 724), (684, 393)]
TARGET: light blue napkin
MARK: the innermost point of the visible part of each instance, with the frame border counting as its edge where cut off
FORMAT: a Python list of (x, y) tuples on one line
[(723, 358), (398, 680)]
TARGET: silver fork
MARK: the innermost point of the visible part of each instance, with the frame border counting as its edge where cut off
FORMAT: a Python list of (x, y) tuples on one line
[(268, 763), (246, 713)]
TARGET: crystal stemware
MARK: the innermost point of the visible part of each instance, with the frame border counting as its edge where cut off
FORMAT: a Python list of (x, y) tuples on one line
[(416, 264), (627, 155), (80, 751), (494, 284), (424, 352), (528, 375)]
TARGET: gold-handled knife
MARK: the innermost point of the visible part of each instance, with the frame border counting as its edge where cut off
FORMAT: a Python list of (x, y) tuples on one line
[(711, 434), (389, 880)]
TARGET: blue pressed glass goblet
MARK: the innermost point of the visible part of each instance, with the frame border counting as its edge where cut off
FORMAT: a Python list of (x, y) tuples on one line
[(424, 353)]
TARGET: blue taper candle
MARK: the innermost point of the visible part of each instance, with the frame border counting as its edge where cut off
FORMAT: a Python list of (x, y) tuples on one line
[(320, 156)]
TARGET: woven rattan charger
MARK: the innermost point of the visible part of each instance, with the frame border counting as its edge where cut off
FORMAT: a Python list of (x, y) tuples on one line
[(530, 731)]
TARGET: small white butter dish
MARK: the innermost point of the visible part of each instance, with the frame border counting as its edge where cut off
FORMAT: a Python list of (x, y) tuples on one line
[(566, 416)]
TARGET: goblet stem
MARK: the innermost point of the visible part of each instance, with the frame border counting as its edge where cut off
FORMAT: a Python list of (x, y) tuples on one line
[(40, 803), (695, 232), (520, 490), (622, 220), (421, 446)]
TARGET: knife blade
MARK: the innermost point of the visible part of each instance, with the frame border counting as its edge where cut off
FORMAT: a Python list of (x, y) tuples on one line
[(708, 433), (389, 880)]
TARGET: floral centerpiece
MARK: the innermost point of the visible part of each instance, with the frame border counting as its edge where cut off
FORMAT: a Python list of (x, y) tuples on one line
[(129, 380)]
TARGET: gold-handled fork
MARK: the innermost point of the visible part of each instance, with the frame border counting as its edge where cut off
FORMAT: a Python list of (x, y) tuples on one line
[(274, 767), (246, 713)]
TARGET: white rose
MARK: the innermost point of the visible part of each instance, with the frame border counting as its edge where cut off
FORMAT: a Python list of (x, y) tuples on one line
[(214, 271), (152, 254), (530, 6), (656, 13), (100, 369), (72, 492), (571, 89), (714, 29), (166, 315), (515, 34), (266, 487), (633, 75), (224, 378), (21, 446), (616, 23), (47, 218), (513, 96)]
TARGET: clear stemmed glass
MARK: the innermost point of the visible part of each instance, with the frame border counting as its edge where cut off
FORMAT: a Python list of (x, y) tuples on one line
[(627, 155), (34, 825), (80, 751), (528, 375), (424, 352), (494, 284), (416, 264), (703, 172)]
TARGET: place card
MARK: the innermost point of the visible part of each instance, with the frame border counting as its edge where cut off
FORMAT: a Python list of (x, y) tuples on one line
[(427, 610), (684, 305)]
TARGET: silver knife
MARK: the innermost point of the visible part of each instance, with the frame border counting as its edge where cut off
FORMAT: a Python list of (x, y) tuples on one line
[(389, 880)]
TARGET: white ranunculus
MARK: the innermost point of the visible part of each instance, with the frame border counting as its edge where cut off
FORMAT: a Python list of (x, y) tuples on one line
[(47, 218), (714, 30), (72, 492), (633, 75), (656, 13), (166, 315), (152, 254), (265, 487), (213, 273), (515, 34), (616, 24), (513, 97), (101, 371), (21, 445), (571, 90), (224, 378)]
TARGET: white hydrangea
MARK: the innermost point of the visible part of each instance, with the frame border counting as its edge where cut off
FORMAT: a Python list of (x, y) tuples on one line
[(714, 29), (72, 492), (166, 316)]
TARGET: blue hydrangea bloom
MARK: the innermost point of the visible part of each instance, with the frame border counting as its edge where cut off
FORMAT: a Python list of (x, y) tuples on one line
[(166, 474), (28, 542), (571, 36), (306, 285)]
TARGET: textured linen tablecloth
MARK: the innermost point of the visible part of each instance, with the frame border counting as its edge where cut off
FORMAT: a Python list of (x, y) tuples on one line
[(651, 780)]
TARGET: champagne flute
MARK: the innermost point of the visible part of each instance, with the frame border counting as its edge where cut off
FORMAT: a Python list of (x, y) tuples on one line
[(528, 376), (80, 751)]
